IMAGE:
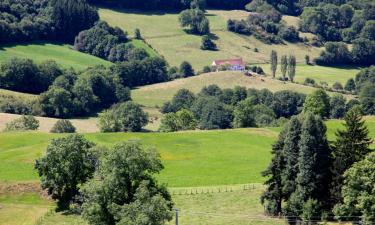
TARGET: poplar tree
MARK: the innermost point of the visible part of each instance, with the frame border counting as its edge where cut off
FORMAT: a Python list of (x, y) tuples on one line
[(284, 66), (273, 63), (291, 151), (352, 145), (273, 196), (292, 67)]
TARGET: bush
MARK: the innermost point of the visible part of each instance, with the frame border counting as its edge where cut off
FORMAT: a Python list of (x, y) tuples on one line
[(309, 81), (63, 126), (208, 44), (337, 86), (206, 69), (23, 123), (186, 70), (123, 117)]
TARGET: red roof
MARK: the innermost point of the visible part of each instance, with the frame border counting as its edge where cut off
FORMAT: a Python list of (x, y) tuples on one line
[(232, 62)]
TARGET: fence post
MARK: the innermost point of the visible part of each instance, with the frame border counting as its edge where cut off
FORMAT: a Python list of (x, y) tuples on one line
[(176, 216)]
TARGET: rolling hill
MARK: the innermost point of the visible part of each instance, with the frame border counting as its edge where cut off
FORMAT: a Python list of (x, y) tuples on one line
[(162, 31)]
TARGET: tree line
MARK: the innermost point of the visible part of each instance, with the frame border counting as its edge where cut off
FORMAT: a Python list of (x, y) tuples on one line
[(43, 20), (310, 179), (66, 93)]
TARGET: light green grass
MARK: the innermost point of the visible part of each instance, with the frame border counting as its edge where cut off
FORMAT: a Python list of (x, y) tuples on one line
[(61, 53), (319, 73), (163, 32), (142, 44), (190, 158)]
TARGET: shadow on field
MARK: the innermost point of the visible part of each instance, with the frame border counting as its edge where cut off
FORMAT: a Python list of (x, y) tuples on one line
[(25, 44)]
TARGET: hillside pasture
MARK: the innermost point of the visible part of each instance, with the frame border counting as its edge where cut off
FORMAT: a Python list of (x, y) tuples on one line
[(157, 94), (63, 54), (163, 32)]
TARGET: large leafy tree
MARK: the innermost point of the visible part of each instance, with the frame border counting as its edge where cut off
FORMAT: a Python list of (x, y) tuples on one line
[(317, 103), (244, 114), (358, 192), (352, 144), (124, 190), (195, 20), (68, 163)]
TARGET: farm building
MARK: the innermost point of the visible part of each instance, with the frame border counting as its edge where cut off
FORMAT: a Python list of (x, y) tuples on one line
[(229, 64)]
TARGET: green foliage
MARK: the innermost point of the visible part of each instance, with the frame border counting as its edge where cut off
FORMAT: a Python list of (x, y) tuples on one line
[(292, 67), (337, 106), (181, 120), (138, 199), (123, 117), (350, 85), (67, 13), (317, 103), (244, 114), (183, 99), (307, 60), (273, 63), (195, 20), (137, 34), (264, 116), (352, 144), (311, 211), (186, 70), (23, 123), (208, 44), (25, 76), (63, 126), (336, 53), (67, 164), (284, 66), (358, 192)]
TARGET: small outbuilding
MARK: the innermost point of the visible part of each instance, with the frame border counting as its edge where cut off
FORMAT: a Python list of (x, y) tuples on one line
[(229, 64)]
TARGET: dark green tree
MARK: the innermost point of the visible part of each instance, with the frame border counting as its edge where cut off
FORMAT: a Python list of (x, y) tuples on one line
[(186, 70), (292, 67), (124, 189), (244, 114), (352, 144), (337, 106), (284, 66), (291, 154), (273, 63), (72, 16), (195, 20), (272, 197), (208, 44), (350, 85), (137, 34), (67, 164), (63, 126)]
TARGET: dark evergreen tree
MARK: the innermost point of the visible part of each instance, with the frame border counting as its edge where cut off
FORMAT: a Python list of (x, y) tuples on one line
[(291, 152), (350, 85), (352, 144), (272, 197), (314, 162), (208, 44), (273, 63)]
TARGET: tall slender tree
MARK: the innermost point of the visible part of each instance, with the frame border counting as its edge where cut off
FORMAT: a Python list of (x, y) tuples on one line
[(272, 197), (284, 66), (352, 145), (291, 151), (273, 63), (314, 162), (292, 67)]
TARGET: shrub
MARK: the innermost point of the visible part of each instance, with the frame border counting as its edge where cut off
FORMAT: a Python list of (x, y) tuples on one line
[(208, 44), (63, 126), (186, 70), (206, 69), (309, 81), (23, 123), (137, 34), (337, 86)]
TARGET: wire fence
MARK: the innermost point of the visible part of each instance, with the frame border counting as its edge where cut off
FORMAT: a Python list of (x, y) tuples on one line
[(215, 189)]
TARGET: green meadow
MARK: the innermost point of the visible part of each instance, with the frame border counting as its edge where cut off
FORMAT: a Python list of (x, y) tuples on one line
[(63, 54)]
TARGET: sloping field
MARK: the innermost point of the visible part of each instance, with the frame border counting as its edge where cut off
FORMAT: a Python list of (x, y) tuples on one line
[(162, 31), (157, 94), (201, 158), (61, 53)]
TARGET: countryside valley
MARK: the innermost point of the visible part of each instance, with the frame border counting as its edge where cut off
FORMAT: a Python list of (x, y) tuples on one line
[(206, 112)]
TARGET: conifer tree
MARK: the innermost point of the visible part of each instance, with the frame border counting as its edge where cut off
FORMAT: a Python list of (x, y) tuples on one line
[(273, 197), (291, 151), (314, 162), (292, 67), (352, 145)]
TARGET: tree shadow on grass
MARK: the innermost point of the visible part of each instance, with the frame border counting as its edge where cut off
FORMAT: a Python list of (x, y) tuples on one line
[(140, 12), (25, 44)]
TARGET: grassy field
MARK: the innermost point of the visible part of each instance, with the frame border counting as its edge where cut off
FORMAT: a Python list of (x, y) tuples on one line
[(157, 94), (162, 31), (319, 73), (61, 53), (195, 163), (190, 158)]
